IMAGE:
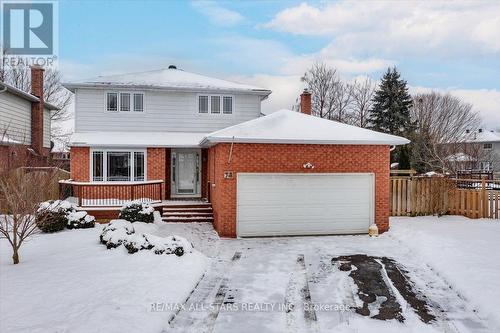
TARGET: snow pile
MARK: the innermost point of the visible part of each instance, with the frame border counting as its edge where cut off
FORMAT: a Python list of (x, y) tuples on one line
[(137, 211), (121, 232)]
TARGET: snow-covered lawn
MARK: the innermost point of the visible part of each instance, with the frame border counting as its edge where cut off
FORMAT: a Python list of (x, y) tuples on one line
[(69, 282), (465, 252)]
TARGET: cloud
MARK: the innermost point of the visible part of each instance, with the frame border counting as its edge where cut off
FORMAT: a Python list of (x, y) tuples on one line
[(216, 14), (397, 27), (286, 89)]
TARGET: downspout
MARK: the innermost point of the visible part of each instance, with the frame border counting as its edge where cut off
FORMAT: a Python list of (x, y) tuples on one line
[(230, 152), (4, 89), (392, 148)]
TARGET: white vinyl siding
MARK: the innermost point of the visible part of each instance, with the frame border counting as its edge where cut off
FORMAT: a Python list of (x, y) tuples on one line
[(15, 118), (304, 204), (164, 112), (46, 128)]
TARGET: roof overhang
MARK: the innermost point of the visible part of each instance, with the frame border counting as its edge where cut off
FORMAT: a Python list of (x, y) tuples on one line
[(211, 141), (29, 97), (73, 86), (136, 139)]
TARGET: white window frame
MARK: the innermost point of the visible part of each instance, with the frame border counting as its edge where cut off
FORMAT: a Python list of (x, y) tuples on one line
[(106, 101), (131, 93), (105, 164), (221, 101), (490, 147)]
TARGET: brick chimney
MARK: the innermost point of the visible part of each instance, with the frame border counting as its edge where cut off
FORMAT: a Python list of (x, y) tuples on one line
[(305, 102), (37, 109)]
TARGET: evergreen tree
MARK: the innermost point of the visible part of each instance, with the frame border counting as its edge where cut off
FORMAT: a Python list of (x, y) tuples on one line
[(390, 112)]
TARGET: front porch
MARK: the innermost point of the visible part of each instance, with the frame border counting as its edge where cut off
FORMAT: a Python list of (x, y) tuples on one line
[(111, 177)]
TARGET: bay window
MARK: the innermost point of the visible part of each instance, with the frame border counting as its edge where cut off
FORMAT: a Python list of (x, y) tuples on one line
[(118, 165)]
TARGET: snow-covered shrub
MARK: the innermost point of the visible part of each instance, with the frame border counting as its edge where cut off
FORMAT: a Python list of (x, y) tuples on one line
[(137, 211), (116, 233), (159, 245), (51, 216), (80, 220), (121, 232)]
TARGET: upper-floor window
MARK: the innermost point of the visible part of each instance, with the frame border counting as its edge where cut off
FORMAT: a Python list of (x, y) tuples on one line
[(124, 101), (215, 104), (488, 146), (112, 101)]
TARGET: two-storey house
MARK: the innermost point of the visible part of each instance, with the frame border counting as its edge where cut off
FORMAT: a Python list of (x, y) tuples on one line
[(168, 134)]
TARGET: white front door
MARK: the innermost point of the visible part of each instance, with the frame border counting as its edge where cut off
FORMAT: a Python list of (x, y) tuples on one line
[(304, 204), (186, 172)]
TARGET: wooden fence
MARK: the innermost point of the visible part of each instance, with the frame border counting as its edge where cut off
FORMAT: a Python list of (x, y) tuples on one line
[(411, 196)]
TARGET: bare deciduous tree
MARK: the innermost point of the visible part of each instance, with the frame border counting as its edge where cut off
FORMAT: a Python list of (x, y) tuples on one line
[(21, 194), (443, 124), (342, 99), (321, 82), (362, 95)]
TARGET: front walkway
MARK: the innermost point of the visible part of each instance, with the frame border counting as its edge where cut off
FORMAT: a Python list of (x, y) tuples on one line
[(291, 285)]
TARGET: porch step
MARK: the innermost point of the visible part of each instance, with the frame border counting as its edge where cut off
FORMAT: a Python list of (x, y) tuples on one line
[(188, 219), (187, 212)]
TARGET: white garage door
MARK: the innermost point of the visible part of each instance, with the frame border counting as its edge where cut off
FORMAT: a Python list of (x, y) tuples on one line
[(304, 204)]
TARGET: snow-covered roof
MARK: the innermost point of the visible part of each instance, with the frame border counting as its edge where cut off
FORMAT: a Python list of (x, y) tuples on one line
[(169, 79), (136, 139), (287, 126), (485, 136), (27, 96)]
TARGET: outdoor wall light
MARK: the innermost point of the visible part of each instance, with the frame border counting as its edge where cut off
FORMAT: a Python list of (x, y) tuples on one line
[(308, 165)]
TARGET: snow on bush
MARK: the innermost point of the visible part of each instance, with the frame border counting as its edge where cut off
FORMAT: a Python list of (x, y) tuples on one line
[(55, 215), (121, 232), (137, 211), (116, 233), (51, 216), (80, 220)]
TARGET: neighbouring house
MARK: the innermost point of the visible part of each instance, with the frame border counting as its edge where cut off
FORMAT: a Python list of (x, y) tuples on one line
[(25, 124), (168, 135), (479, 154)]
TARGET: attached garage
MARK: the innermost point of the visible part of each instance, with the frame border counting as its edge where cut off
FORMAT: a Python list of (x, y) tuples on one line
[(278, 204), (289, 173)]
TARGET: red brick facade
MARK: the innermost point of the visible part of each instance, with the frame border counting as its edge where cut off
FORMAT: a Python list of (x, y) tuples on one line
[(80, 164), (37, 110), (158, 168), (291, 158)]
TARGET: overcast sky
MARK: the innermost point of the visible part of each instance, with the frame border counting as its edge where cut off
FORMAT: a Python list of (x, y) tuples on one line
[(448, 46)]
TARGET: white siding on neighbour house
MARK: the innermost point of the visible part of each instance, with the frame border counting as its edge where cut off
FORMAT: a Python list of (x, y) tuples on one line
[(163, 111), (15, 118), (46, 128)]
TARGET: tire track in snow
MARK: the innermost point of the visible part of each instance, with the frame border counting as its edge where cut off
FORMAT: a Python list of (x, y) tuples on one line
[(298, 298), (201, 321)]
